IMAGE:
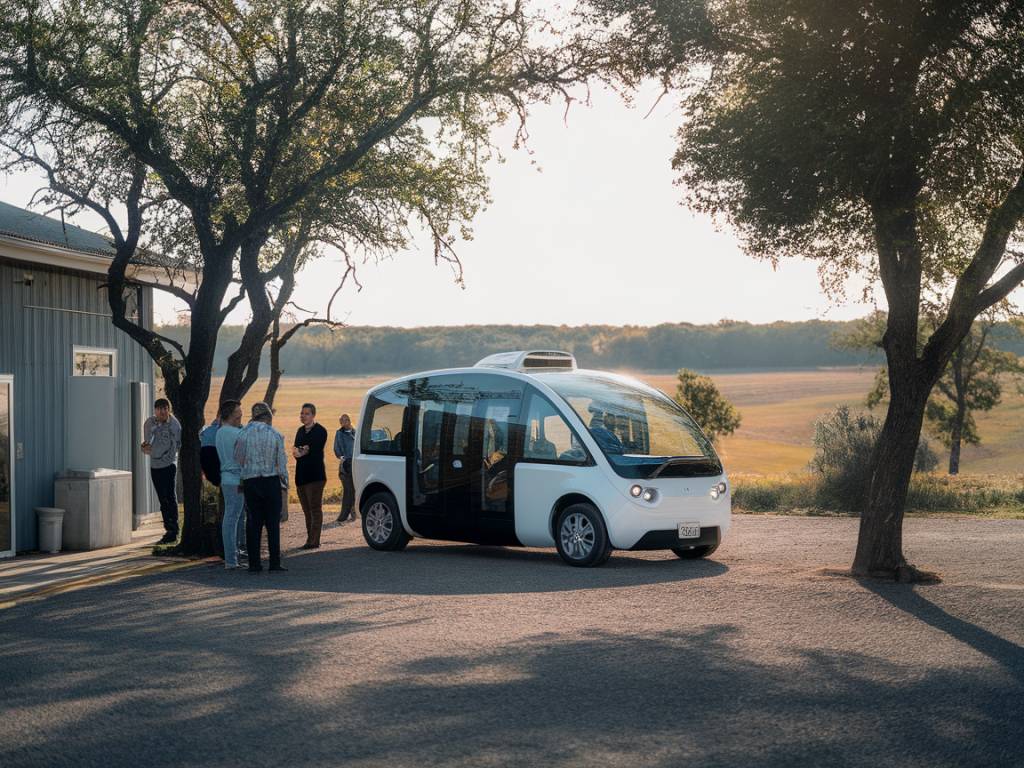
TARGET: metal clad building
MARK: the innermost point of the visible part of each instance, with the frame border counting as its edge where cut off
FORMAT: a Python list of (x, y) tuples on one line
[(66, 373)]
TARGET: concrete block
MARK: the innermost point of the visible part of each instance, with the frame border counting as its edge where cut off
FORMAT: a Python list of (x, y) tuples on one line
[(97, 508)]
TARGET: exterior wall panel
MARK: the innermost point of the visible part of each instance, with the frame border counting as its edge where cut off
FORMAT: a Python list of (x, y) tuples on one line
[(39, 326)]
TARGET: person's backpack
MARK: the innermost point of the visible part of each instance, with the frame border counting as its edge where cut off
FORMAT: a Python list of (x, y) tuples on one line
[(209, 459)]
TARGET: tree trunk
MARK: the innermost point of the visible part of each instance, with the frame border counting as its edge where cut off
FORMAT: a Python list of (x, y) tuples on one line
[(275, 365), (244, 363), (880, 543), (955, 438), (192, 536)]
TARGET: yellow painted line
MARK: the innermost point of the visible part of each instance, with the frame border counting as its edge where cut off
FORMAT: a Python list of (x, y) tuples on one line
[(109, 577)]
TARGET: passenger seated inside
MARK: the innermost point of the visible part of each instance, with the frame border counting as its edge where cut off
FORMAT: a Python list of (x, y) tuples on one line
[(605, 437), (574, 453), (541, 448)]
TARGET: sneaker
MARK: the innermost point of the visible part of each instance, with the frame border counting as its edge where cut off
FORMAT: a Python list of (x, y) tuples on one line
[(169, 538), (341, 520), (229, 567)]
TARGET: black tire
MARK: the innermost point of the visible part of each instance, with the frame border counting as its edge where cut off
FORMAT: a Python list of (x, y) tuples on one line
[(382, 523), (694, 553), (592, 548)]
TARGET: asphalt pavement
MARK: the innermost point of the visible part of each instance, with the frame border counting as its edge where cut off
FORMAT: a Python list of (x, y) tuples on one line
[(450, 654)]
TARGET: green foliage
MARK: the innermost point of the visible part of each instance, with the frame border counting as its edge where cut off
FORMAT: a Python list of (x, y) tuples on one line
[(843, 445), (804, 494), (788, 493), (702, 400)]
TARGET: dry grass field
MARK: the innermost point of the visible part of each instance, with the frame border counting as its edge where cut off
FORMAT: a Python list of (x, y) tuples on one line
[(778, 408)]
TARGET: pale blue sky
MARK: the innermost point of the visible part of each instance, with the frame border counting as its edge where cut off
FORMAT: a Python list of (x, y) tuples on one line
[(597, 235)]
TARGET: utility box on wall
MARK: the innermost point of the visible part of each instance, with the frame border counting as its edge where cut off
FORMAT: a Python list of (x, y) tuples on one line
[(97, 507)]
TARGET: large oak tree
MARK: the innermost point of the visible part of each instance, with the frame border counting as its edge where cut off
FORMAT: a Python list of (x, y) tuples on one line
[(242, 116), (881, 137)]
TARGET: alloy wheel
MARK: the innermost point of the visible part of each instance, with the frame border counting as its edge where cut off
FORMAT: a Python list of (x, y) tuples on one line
[(379, 522), (578, 536)]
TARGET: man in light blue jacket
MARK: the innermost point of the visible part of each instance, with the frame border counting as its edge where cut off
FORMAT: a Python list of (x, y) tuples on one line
[(233, 527)]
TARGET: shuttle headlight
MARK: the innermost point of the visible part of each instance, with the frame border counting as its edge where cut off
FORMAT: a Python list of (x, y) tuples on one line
[(638, 492)]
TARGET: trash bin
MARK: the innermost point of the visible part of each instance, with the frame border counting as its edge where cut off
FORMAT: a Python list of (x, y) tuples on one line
[(51, 525)]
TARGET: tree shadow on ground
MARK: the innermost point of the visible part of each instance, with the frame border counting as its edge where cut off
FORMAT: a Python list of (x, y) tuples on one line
[(177, 674), (459, 569), (908, 599)]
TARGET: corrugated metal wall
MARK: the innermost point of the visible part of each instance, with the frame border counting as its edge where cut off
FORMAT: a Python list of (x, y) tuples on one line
[(39, 325)]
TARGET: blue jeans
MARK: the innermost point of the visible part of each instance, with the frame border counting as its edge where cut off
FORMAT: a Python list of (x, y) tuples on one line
[(233, 527)]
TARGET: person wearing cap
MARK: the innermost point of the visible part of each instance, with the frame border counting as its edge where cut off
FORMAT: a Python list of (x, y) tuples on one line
[(263, 465)]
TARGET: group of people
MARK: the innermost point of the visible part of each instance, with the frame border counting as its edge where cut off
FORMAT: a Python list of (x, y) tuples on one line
[(250, 466)]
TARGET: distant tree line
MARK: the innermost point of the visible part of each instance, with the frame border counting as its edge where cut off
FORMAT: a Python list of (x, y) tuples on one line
[(726, 345)]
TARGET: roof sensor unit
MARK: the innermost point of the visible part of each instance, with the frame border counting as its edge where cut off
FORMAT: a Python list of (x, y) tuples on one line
[(531, 360)]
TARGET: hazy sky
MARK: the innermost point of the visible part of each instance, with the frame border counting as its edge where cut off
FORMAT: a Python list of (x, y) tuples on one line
[(598, 235)]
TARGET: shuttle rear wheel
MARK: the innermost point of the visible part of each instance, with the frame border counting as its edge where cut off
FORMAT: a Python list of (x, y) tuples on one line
[(581, 536), (382, 523)]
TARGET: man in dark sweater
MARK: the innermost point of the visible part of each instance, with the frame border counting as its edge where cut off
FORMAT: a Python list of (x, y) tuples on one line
[(310, 473)]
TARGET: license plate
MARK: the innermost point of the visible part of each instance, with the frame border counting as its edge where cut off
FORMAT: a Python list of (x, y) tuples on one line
[(689, 530)]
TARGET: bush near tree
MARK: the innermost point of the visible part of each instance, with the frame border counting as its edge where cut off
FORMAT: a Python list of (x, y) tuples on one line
[(843, 444)]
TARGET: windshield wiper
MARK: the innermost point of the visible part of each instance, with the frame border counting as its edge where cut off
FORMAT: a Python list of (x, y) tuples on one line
[(674, 461)]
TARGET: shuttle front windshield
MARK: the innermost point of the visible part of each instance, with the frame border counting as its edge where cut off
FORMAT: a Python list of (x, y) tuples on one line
[(638, 429)]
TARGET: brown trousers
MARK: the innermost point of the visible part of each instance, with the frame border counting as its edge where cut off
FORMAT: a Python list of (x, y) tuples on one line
[(311, 497)]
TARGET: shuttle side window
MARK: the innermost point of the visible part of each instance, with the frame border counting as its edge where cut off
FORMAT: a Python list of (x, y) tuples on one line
[(498, 419), (381, 431), (548, 435)]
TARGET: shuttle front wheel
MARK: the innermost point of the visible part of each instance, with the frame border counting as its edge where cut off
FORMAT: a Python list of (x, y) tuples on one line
[(382, 524), (694, 553), (581, 536)]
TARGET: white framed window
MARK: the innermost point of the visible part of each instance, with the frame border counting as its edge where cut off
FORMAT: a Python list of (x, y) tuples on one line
[(93, 361)]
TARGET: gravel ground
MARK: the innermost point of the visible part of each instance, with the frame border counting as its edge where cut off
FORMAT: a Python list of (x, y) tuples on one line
[(478, 656)]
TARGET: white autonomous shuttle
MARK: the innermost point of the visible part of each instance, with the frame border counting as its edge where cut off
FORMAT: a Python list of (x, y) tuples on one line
[(525, 449)]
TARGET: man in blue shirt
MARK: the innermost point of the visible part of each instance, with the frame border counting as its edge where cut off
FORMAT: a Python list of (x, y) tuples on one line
[(161, 442), (233, 525), (344, 448)]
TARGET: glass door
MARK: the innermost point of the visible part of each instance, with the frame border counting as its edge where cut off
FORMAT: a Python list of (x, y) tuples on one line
[(7, 512)]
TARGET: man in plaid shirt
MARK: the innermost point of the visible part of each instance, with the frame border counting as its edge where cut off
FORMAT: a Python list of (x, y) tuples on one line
[(260, 454)]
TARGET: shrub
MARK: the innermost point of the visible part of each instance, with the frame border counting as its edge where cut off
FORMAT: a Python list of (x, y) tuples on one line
[(774, 493), (964, 494), (843, 443)]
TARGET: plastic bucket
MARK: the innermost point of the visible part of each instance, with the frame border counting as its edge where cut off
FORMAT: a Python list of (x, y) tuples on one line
[(51, 528)]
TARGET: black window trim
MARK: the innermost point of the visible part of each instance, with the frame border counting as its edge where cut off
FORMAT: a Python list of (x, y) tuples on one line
[(532, 390), (367, 426)]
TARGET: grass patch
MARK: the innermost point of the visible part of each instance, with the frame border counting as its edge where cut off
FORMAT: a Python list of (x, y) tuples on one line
[(801, 494)]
